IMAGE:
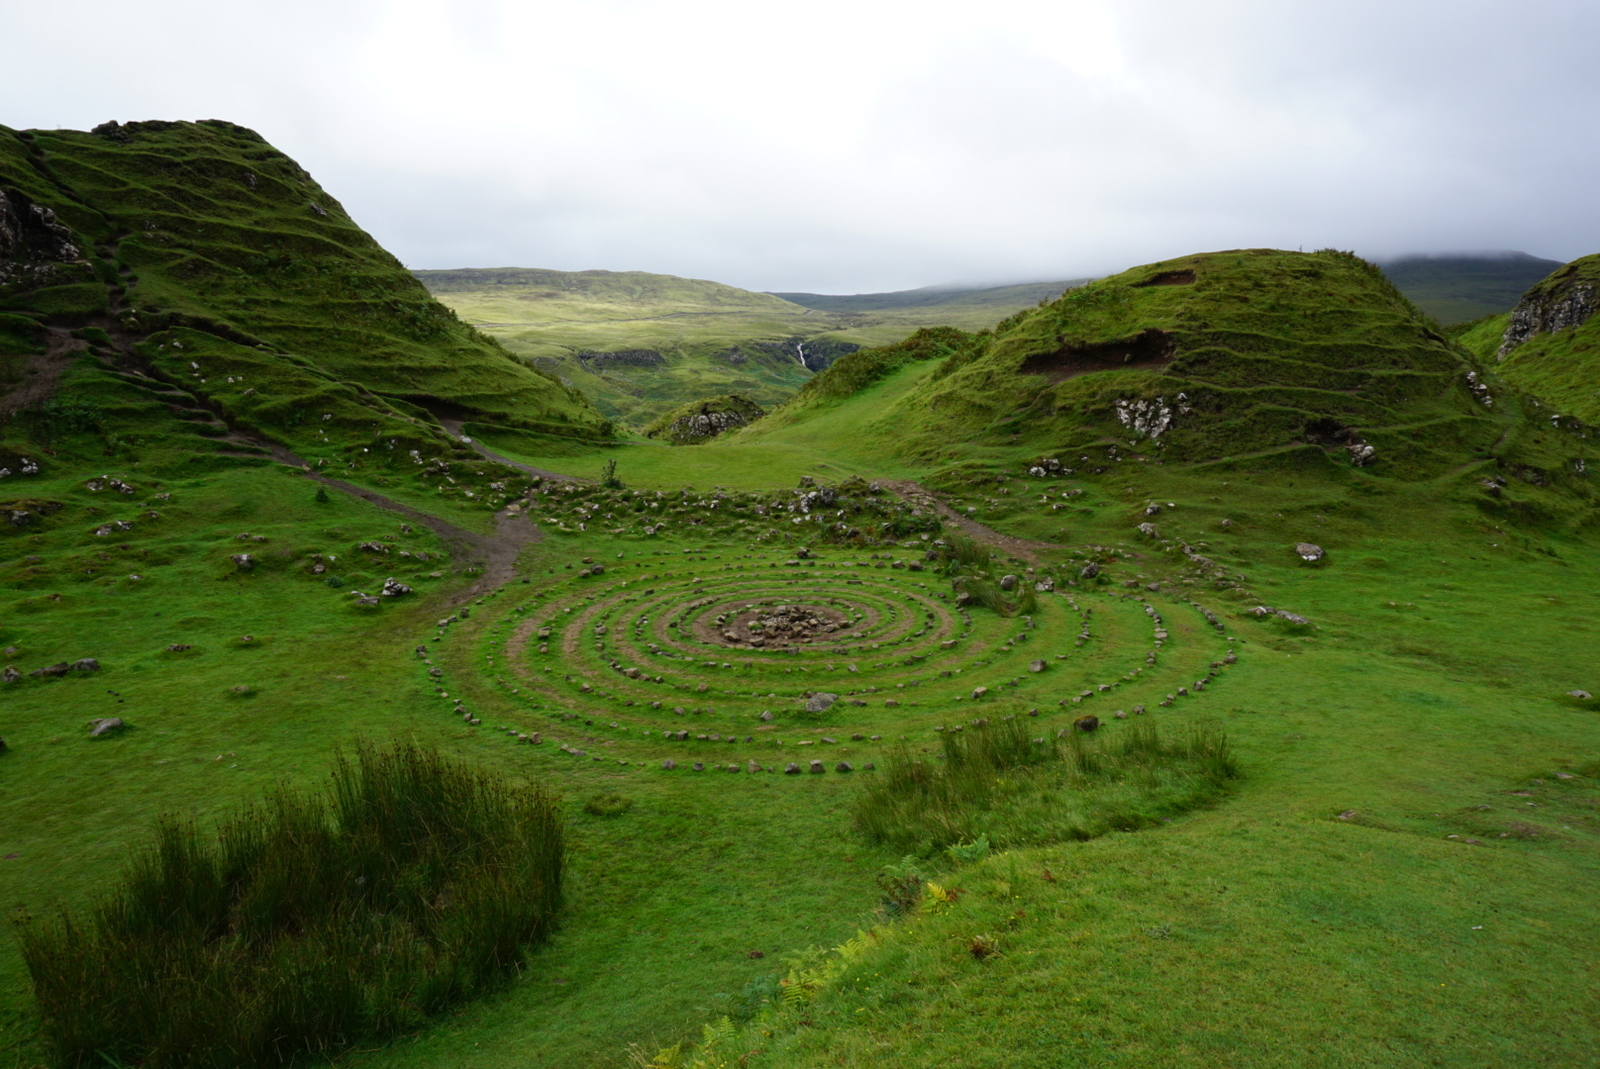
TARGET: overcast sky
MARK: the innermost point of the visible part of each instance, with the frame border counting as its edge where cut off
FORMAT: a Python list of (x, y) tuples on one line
[(858, 145)]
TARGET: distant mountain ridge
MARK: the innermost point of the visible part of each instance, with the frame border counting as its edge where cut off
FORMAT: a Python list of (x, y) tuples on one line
[(932, 296), (1457, 288)]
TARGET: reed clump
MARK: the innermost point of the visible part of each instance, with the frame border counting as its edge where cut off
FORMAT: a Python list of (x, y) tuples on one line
[(996, 780), (304, 923)]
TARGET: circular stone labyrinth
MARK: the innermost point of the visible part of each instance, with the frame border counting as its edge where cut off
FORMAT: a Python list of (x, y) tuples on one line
[(753, 663)]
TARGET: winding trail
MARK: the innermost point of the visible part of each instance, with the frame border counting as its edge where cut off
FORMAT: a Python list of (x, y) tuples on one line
[(454, 427), (914, 493)]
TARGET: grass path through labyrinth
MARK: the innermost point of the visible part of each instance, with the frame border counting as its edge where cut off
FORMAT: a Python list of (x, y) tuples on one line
[(652, 661)]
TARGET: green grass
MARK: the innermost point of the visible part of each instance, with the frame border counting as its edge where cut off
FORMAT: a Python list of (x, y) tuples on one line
[(998, 784), (1350, 900)]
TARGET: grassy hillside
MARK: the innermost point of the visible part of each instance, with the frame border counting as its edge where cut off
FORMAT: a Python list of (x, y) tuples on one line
[(1251, 359), (1388, 863), (643, 344), (1456, 289)]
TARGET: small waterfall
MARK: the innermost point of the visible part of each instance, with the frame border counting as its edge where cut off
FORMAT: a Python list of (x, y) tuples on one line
[(800, 347)]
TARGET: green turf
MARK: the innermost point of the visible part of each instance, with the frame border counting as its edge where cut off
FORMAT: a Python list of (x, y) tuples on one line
[(1347, 901)]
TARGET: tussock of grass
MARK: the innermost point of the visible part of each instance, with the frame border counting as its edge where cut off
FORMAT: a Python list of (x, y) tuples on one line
[(305, 923), (997, 781)]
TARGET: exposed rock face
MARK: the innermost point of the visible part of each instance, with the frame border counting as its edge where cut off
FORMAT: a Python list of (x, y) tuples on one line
[(703, 420), (622, 358), (31, 240), (1547, 311)]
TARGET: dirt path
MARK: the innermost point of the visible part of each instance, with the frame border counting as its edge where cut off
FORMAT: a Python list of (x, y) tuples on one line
[(914, 493), (495, 553), (454, 427)]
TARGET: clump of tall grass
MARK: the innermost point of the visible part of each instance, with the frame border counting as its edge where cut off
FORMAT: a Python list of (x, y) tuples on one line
[(995, 780), (304, 923), (971, 566)]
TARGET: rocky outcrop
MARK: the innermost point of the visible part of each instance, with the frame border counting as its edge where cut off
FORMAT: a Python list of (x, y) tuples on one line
[(32, 241), (701, 421), (1565, 300), (621, 358)]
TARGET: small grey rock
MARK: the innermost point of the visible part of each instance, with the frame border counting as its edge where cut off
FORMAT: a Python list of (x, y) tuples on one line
[(1036, 666), (1310, 551), (820, 703), (669, 764), (1581, 695), (791, 769), (106, 726), (843, 766), (817, 766), (87, 664)]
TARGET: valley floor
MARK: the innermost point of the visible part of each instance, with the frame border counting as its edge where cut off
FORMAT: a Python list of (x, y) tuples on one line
[(1402, 875)]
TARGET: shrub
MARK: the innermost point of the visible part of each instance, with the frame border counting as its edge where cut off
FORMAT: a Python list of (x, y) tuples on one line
[(304, 923), (996, 784)]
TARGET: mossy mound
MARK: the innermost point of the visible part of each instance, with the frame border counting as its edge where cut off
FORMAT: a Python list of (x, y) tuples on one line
[(1257, 355), (1550, 344), (701, 421), (204, 235)]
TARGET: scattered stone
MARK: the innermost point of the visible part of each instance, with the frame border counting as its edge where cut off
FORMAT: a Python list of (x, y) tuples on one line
[(843, 766), (87, 664), (979, 692), (106, 726), (817, 703), (699, 766), (1086, 723), (1310, 552), (59, 669), (1090, 570), (791, 769), (1348, 814), (393, 588), (368, 602), (1037, 666), (1120, 714), (1008, 582), (817, 766), (1581, 695), (10, 675), (179, 647)]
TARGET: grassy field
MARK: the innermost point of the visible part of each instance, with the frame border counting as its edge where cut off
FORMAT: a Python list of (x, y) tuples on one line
[(704, 338), (1217, 938), (1396, 870)]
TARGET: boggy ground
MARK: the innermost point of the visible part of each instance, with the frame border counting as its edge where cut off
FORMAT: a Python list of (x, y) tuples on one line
[(1352, 902)]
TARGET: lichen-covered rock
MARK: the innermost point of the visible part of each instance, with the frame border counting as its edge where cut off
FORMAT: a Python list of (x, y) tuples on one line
[(701, 421)]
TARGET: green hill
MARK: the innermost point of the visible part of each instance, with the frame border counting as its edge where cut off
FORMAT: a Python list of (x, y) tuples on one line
[(642, 344), (1455, 289), (1250, 358)]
